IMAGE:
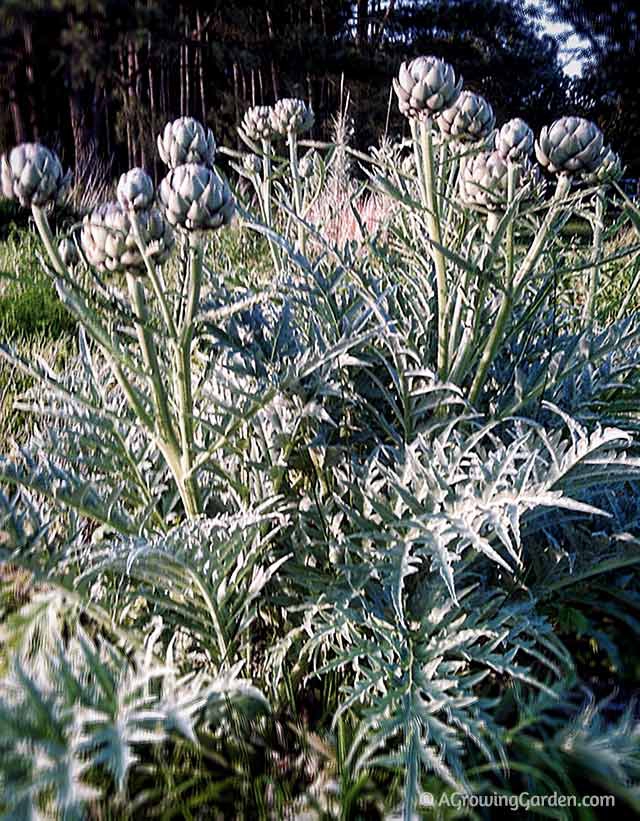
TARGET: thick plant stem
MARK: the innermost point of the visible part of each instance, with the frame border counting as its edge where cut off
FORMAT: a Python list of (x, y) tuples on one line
[(185, 387), (435, 235), (42, 224), (156, 285), (167, 441), (266, 199), (594, 277), (512, 280), (297, 189), (417, 156), (537, 246), (492, 346)]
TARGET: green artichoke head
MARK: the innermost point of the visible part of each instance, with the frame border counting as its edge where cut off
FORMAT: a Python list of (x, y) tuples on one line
[(33, 175), (68, 252), (109, 244), (610, 169), (257, 124), (408, 165), (291, 116), (469, 119), (196, 198), (425, 87), (135, 190), (514, 141), (484, 180), (252, 164), (309, 164), (570, 145), (186, 140)]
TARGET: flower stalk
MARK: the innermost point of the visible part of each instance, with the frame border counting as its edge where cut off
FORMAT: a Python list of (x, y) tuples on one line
[(292, 139), (594, 275), (435, 235)]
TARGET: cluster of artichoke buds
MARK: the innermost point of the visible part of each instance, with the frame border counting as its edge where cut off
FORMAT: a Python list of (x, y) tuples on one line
[(33, 175), (109, 241), (570, 145), (425, 87), (185, 140), (193, 195), (469, 119), (291, 116), (484, 179), (514, 140), (257, 124), (610, 168), (196, 198)]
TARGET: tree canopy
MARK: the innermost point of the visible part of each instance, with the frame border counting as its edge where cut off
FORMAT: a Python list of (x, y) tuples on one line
[(608, 89), (87, 75)]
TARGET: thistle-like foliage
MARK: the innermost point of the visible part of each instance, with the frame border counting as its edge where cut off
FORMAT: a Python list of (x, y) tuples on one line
[(90, 710), (389, 478)]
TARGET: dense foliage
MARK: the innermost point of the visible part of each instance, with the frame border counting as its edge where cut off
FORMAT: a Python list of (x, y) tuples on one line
[(319, 537)]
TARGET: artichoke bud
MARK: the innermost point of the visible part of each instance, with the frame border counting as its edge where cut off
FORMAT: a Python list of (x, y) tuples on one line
[(425, 87), (309, 164), (252, 164), (257, 124), (196, 198), (33, 175), (609, 170), (109, 242), (135, 190), (469, 119), (185, 140), (291, 116), (484, 179), (514, 141), (408, 165), (570, 145), (68, 252)]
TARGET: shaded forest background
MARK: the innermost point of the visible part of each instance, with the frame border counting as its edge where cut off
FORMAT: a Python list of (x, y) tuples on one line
[(99, 78)]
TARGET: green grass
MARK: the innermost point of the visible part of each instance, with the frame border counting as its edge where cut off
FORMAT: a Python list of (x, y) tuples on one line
[(32, 319)]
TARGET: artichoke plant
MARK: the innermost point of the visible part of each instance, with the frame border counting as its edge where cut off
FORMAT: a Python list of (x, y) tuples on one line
[(33, 175), (514, 141), (291, 116), (109, 243), (185, 140), (309, 164), (252, 164), (426, 86), (469, 119), (569, 146), (196, 198), (68, 252), (609, 170), (135, 190), (257, 123), (484, 179)]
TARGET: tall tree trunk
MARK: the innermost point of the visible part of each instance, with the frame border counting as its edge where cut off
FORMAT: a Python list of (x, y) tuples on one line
[(131, 101), (236, 102), (274, 76), (16, 113), (187, 64), (200, 34), (27, 36), (152, 83), (125, 79), (362, 23)]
